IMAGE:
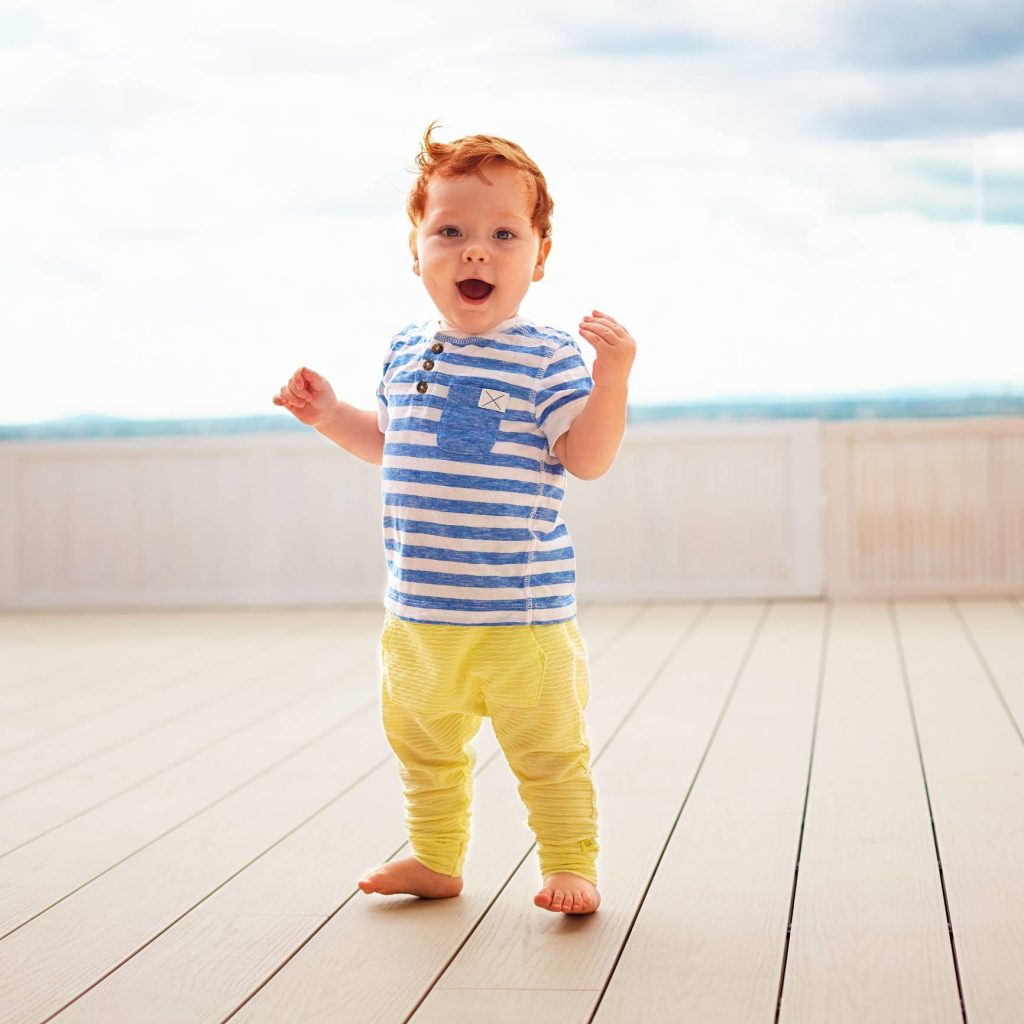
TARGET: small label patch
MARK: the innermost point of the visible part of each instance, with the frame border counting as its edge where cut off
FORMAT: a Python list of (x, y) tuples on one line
[(588, 844), (493, 399)]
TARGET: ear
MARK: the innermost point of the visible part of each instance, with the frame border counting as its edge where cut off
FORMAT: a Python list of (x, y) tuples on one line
[(542, 255), (416, 267)]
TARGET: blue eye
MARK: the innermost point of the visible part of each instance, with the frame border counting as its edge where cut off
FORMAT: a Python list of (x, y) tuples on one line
[(507, 232), (443, 230)]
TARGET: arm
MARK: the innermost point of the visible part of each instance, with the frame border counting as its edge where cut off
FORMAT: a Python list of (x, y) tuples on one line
[(311, 400), (588, 448), (355, 430)]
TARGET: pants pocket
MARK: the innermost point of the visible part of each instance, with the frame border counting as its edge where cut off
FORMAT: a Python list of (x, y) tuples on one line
[(514, 666)]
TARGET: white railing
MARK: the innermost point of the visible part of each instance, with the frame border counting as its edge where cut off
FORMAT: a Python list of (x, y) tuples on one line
[(925, 506), (689, 510)]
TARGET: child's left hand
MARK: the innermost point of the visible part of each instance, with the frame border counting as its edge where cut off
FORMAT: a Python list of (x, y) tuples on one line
[(615, 347)]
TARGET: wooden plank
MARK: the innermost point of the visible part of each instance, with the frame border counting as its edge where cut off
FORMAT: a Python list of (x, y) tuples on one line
[(297, 876), (190, 520), (377, 956), (41, 872), (135, 741), (272, 907), (220, 665), (120, 664), (57, 955), (923, 507), (731, 510), (507, 1006), (517, 946), (67, 653), (974, 763), (60, 954), (260, 940), (996, 629), (869, 939), (707, 943)]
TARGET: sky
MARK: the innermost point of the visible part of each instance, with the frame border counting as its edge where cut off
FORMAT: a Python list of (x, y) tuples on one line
[(796, 198)]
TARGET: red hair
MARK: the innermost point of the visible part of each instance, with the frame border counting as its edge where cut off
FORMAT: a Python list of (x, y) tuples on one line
[(465, 156)]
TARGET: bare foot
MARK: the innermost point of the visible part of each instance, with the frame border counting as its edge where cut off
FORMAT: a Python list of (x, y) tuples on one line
[(412, 877), (568, 893)]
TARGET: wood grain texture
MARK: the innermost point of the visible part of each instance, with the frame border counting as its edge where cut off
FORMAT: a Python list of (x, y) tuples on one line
[(924, 507), (198, 864), (973, 757), (869, 935)]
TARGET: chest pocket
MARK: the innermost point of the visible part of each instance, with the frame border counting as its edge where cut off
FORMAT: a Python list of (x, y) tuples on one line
[(470, 418)]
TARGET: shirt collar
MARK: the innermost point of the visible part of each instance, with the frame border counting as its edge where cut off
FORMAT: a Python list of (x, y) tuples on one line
[(441, 326)]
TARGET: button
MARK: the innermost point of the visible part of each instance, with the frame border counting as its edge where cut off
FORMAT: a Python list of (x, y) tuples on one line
[(428, 364), (437, 347), (421, 386)]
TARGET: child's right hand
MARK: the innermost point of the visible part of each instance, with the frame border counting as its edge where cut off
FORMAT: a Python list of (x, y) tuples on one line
[(308, 397)]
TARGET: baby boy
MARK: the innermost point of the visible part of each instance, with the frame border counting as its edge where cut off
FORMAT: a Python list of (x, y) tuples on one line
[(480, 413)]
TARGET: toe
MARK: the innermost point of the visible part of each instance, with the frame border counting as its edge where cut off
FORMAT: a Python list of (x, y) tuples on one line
[(543, 898), (374, 882), (557, 902)]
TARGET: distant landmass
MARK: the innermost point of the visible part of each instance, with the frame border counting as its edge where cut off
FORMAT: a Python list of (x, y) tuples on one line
[(919, 404)]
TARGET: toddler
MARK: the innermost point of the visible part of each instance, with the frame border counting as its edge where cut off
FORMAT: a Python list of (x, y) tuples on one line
[(480, 413)]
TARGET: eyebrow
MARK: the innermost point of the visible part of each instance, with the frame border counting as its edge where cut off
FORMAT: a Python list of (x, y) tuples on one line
[(502, 215)]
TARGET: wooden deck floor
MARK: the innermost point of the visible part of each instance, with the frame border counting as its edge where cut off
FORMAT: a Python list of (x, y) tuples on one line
[(809, 812)]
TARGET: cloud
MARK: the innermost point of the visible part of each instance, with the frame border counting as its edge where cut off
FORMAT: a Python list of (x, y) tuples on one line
[(223, 204), (928, 34), (931, 104), (631, 43)]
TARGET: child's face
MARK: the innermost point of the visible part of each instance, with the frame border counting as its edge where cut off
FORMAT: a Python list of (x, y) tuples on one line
[(473, 228)]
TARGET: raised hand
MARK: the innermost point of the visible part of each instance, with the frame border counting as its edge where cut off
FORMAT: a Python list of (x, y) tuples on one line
[(308, 397), (615, 349)]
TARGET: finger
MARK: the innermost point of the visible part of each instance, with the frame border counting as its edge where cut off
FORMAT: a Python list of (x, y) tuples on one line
[(603, 331), (298, 387), (611, 322), (300, 397), (606, 321), (312, 379), (290, 398), (595, 339)]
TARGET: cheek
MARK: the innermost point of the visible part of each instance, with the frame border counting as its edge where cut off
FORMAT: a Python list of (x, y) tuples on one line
[(435, 255)]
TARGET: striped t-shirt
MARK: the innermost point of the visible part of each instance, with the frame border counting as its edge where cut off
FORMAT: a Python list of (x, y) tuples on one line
[(471, 487)]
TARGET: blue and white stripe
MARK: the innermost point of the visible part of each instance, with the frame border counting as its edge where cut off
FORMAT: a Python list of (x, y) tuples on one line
[(471, 488)]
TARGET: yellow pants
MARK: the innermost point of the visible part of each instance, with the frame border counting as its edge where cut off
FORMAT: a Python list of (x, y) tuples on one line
[(438, 681)]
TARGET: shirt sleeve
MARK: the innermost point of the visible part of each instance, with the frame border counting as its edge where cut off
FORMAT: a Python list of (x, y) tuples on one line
[(382, 404), (563, 392), (382, 399)]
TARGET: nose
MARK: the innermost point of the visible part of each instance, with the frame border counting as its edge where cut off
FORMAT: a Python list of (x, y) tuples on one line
[(475, 253)]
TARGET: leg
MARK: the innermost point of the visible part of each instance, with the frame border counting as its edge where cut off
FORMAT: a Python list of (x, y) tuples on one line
[(432, 742), (436, 761), (548, 749)]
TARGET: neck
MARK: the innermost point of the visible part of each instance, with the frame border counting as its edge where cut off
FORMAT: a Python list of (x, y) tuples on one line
[(449, 328)]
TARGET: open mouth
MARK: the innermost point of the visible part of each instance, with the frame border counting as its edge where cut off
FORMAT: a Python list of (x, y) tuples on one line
[(473, 290)]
